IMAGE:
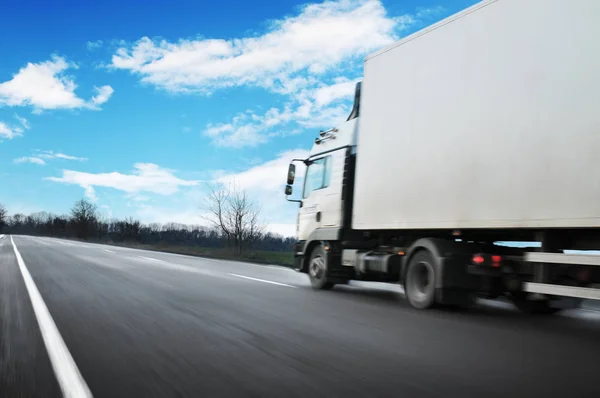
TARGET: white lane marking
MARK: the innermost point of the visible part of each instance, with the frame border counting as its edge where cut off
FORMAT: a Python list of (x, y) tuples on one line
[(201, 258), (98, 260), (152, 259), (180, 267), (262, 280), (184, 268), (65, 243), (279, 267), (69, 378), (108, 251), (79, 244)]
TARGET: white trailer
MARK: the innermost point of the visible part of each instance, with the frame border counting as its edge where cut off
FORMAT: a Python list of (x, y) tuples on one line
[(481, 128)]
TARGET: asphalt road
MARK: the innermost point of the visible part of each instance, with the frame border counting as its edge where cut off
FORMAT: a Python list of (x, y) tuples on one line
[(148, 324)]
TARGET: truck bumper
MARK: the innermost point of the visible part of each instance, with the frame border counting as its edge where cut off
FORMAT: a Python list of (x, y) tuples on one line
[(484, 271), (456, 274), (460, 281)]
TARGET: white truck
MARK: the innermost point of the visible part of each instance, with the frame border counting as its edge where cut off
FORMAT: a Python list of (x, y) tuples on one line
[(480, 129)]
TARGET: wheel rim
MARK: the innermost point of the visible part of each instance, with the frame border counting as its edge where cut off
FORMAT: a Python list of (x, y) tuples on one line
[(421, 279), (317, 267)]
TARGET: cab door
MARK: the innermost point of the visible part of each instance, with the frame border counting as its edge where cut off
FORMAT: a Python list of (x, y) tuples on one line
[(316, 183), (331, 201)]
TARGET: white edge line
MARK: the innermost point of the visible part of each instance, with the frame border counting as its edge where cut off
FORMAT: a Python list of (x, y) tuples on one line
[(109, 251), (69, 378), (152, 259), (263, 280)]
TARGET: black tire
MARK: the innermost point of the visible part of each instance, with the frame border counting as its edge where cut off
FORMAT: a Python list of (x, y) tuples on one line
[(318, 270), (532, 307), (419, 284)]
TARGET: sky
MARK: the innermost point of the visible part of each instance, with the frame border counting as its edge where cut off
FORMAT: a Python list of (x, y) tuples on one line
[(137, 106)]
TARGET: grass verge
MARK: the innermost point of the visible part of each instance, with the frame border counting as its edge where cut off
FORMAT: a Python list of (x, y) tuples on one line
[(256, 256)]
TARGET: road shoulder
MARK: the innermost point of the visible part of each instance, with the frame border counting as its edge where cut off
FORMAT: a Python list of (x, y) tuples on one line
[(24, 364)]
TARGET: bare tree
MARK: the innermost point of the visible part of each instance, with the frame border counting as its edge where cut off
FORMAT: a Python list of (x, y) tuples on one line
[(234, 215), (3, 216), (132, 229), (84, 217)]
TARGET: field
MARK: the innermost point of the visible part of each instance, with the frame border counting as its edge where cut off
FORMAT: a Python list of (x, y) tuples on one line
[(262, 257)]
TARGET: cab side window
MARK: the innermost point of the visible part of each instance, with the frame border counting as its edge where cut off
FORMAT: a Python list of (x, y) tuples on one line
[(318, 175)]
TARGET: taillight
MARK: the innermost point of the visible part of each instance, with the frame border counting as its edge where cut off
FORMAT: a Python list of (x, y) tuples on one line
[(496, 261), (487, 260)]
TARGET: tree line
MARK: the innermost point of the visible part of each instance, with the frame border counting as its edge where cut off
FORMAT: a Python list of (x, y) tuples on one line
[(232, 218)]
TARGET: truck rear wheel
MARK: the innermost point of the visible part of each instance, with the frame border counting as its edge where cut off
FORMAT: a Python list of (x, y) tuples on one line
[(318, 269), (419, 284)]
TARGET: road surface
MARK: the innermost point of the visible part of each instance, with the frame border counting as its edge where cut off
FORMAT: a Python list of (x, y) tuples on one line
[(147, 324)]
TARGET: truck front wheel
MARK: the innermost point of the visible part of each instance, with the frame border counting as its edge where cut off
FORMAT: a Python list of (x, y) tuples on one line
[(318, 270), (419, 284)]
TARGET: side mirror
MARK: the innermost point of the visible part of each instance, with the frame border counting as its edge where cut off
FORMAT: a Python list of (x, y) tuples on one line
[(291, 175), (288, 190)]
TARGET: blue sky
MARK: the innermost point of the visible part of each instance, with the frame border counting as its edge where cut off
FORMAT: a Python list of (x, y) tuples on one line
[(137, 106)]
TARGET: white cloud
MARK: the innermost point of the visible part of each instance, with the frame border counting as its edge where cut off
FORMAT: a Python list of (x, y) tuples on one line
[(268, 177), (68, 157), (432, 12), (9, 132), (236, 136), (298, 56), (45, 86), (41, 85), (247, 129), (137, 197), (320, 39), (146, 177), (315, 108), (93, 45), (282, 229), (103, 94), (30, 159), (24, 122), (40, 157), (57, 155), (325, 117), (343, 89), (90, 193)]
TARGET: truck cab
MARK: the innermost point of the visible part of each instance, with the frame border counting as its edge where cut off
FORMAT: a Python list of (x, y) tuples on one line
[(321, 205), (327, 179)]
